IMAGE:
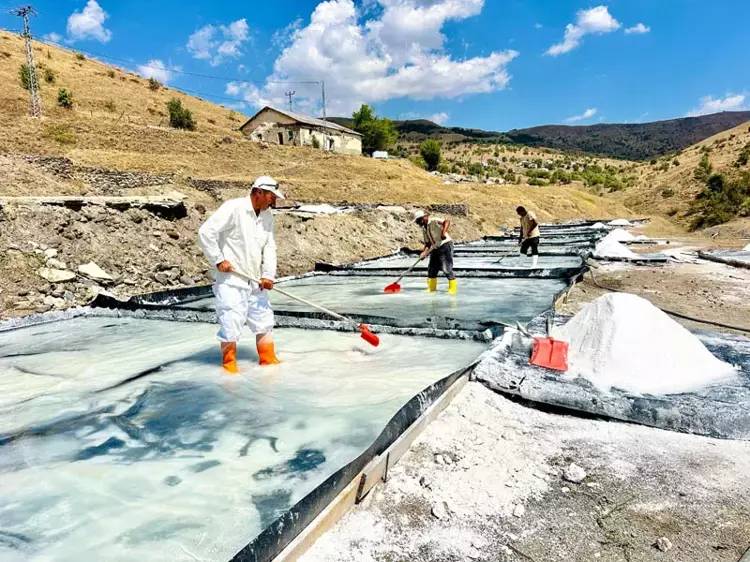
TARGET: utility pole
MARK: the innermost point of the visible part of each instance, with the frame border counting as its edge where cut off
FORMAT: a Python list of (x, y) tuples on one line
[(35, 106), (323, 96), (290, 95)]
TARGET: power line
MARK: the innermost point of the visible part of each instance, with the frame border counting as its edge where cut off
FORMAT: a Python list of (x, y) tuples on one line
[(35, 103), (225, 79)]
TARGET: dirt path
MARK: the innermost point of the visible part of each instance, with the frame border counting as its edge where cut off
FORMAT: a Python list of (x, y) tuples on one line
[(502, 495)]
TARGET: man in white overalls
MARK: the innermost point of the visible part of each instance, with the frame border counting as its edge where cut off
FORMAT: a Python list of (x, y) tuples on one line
[(238, 239)]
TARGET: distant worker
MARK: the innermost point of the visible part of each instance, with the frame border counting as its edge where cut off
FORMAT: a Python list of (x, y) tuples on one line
[(529, 237), (239, 237), (439, 246)]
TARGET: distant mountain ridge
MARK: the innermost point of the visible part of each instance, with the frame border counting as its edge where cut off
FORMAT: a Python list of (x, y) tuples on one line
[(633, 141)]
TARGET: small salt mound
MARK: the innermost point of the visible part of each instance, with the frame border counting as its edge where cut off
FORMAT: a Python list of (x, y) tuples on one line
[(620, 222), (642, 237), (622, 340), (609, 247), (746, 248), (598, 226), (620, 235)]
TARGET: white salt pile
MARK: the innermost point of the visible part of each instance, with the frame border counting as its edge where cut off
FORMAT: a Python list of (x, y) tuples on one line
[(621, 235), (620, 222), (622, 340), (598, 226), (746, 248), (610, 247)]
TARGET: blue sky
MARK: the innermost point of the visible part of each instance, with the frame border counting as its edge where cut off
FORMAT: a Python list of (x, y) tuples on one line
[(488, 64)]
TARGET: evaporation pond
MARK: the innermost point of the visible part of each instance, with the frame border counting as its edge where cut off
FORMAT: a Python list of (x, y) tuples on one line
[(121, 439), (478, 299), (513, 261)]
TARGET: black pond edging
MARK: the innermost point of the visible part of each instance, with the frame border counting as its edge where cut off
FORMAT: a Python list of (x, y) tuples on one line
[(717, 257)]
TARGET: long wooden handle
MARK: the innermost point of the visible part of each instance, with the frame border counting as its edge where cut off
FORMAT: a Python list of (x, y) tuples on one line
[(296, 298), (408, 270)]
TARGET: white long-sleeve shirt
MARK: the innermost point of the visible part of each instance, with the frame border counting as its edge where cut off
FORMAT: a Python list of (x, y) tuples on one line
[(236, 234)]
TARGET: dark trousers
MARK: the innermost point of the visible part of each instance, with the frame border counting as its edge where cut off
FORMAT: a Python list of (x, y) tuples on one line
[(441, 259), (533, 244)]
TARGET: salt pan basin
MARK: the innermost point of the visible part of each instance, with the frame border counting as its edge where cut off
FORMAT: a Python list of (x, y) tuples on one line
[(478, 299), (487, 262), (121, 439)]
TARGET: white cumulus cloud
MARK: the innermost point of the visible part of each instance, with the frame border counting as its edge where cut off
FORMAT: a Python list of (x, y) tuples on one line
[(709, 104), (395, 48), (439, 118), (588, 114), (89, 24), (638, 29), (52, 37), (156, 69), (594, 21), (216, 43)]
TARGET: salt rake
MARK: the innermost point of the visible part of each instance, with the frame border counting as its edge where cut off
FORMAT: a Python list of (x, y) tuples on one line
[(394, 287), (364, 329)]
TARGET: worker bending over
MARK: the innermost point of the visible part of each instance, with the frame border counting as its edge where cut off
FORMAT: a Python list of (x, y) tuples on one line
[(238, 239), (439, 246), (529, 237)]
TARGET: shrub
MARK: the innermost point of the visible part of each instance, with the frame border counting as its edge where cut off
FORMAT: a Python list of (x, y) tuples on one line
[(24, 75), (80, 56), (418, 161), (475, 169), (743, 157), (444, 168), (537, 181), (111, 73), (60, 133), (49, 76), (430, 152), (180, 117), (667, 192), (109, 105), (65, 98), (721, 200), (315, 142), (153, 84)]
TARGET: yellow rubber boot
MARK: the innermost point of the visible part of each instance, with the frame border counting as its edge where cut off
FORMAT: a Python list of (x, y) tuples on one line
[(452, 286), (267, 354), (431, 284), (229, 357)]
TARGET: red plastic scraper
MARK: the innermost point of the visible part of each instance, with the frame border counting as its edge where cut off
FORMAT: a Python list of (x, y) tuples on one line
[(550, 353)]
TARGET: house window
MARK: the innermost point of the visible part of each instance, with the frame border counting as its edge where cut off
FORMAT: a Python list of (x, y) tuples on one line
[(290, 136), (281, 138), (329, 143)]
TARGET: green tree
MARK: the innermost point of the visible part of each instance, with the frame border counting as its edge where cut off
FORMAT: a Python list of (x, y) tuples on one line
[(65, 98), (704, 169), (430, 151), (180, 117), (377, 134)]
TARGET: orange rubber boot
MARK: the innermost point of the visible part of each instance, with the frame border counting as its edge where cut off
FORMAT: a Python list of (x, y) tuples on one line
[(229, 357), (267, 354)]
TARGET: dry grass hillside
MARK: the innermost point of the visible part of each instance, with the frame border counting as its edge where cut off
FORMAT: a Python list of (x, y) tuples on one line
[(119, 122), (668, 186)]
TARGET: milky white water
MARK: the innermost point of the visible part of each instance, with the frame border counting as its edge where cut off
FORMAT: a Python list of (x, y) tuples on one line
[(183, 462)]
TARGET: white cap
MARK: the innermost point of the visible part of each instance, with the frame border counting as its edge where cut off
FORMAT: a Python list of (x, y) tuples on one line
[(418, 215), (267, 183)]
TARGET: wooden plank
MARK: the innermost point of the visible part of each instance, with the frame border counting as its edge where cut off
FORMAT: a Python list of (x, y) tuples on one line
[(373, 473)]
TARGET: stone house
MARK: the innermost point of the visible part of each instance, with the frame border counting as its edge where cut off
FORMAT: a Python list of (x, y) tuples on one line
[(279, 126)]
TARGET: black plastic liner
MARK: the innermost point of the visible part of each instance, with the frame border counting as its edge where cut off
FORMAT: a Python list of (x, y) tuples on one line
[(281, 532), (734, 258), (720, 411)]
